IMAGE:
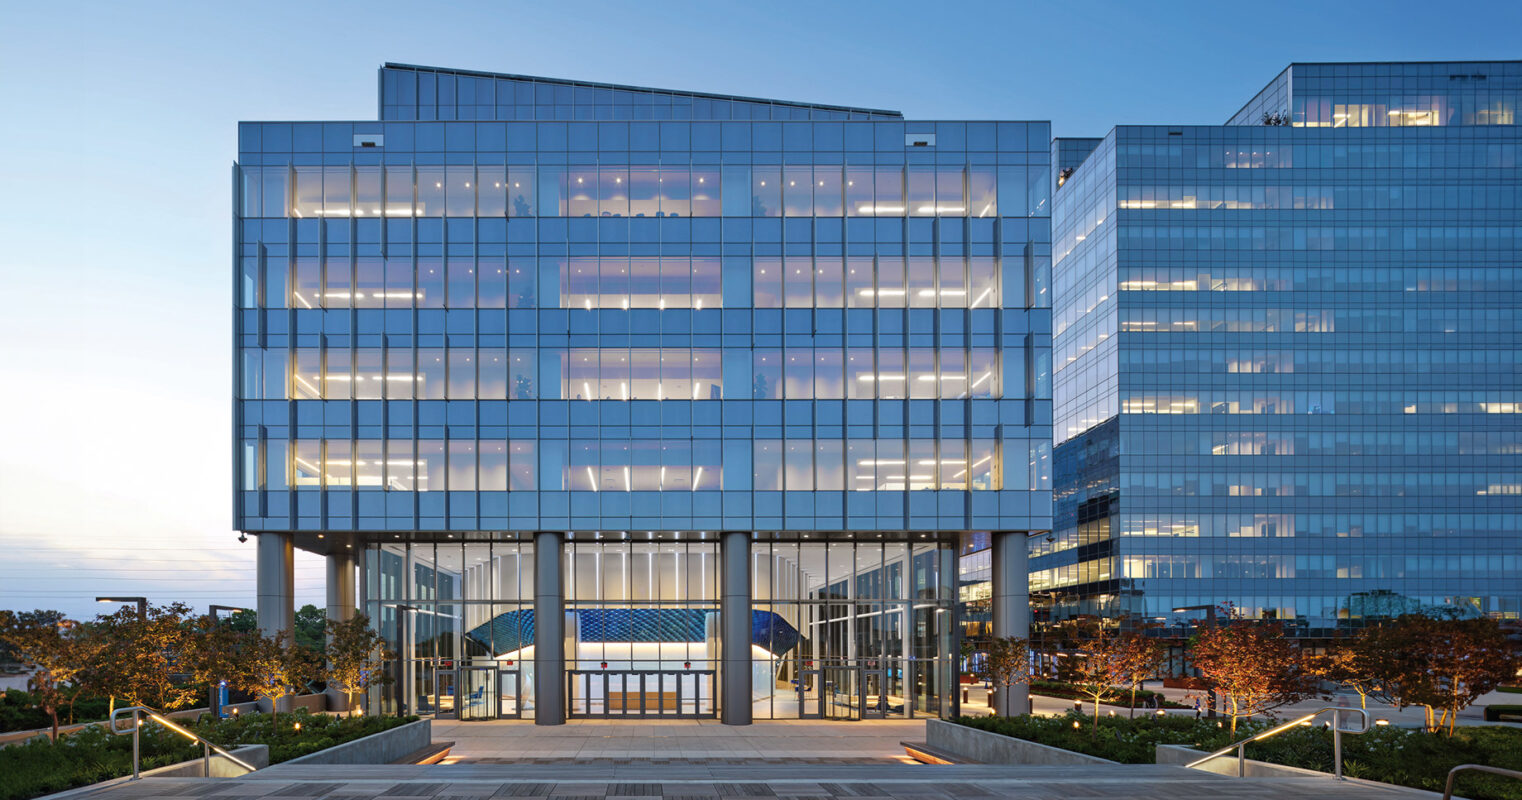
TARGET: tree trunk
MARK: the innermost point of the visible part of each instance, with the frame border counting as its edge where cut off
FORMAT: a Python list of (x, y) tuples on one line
[(54, 713), (1133, 701)]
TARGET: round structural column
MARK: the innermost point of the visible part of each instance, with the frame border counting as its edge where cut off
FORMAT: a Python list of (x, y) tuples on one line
[(276, 591), (549, 628), (340, 609), (1011, 609), (341, 585), (735, 628)]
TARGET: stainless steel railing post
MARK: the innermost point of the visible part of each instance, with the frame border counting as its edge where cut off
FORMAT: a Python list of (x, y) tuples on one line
[(1337, 731), (137, 731), (1337, 743), (137, 726)]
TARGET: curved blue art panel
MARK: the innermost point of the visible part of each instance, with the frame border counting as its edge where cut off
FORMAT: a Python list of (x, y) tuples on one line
[(514, 630)]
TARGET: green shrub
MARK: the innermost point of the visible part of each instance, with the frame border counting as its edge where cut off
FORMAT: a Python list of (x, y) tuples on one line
[(19, 711), (91, 755), (1404, 756)]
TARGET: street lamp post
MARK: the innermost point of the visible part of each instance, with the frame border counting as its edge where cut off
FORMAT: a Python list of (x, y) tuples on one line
[(141, 602), (214, 704), (1209, 622)]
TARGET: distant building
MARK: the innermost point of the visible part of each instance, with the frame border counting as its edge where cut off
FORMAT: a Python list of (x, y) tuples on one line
[(1287, 363)]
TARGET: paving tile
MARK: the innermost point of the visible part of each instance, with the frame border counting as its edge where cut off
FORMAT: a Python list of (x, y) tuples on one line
[(305, 790), (524, 790)]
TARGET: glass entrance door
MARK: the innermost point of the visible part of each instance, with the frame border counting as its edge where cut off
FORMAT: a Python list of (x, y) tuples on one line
[(640, 693), (509, 694), (443, 700), (478, 693), (831, 692)]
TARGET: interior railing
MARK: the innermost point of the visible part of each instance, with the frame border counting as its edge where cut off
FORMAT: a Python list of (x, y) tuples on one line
[(1337, 732), (138, 712)]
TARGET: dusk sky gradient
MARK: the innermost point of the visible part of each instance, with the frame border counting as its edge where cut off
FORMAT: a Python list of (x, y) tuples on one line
[(118, 131)]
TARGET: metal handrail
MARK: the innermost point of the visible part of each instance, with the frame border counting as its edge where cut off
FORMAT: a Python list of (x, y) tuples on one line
[(1505, 773), (137, 724), (1337, 732)]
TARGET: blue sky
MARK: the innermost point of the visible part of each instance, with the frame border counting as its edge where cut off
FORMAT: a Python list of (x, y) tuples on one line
[(118, 130)]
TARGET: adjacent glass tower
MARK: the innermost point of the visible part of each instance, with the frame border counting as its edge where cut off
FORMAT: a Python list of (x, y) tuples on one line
[(1287, 362), (622, 401)]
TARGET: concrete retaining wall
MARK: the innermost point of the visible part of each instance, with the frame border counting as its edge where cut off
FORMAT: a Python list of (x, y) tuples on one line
[(1227, 764), (996, 748), (377, 748), (257, 756)]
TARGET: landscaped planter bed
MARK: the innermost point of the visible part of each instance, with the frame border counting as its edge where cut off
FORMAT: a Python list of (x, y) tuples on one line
[(41, 767), (1404, 756)]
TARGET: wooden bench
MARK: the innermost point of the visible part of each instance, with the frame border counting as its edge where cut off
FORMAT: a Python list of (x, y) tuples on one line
[(654, 701), (923, 753), (432, 754)]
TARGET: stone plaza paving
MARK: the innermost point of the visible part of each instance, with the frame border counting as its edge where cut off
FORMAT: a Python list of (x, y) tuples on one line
[(572, 780), (672, 760)]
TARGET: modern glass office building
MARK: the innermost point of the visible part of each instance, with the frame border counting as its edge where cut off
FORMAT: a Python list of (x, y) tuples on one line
[(1287, 363), (614, 401)]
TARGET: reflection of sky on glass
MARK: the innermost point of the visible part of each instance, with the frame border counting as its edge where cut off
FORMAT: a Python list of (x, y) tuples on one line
[(118, 128)]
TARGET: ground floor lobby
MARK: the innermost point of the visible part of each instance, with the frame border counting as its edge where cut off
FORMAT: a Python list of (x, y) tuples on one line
[(731, 626), (734, 626)]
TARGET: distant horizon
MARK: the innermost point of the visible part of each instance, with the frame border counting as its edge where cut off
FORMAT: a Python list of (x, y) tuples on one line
[(115, 474)]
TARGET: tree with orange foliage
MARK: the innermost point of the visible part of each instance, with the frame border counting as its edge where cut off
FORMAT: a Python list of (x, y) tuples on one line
[(56, 654), (1254, 665), (1141, 658), (1443, 664)]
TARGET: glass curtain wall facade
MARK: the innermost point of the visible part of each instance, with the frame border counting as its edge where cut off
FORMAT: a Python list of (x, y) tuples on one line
[(639, 319), (1287, 373)]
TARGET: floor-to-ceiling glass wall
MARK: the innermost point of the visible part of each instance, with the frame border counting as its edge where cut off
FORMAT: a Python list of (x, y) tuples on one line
[(842, 627), (859, 628), (642, 624), (458, 616)]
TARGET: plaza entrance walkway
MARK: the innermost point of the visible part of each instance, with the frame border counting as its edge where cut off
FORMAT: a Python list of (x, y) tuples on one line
[(514, 741), (647, 781)]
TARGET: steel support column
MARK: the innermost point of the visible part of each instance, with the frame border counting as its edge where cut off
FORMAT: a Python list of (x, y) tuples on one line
[(1011, 609), (276, 585), (549, 628), (734, 628)]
